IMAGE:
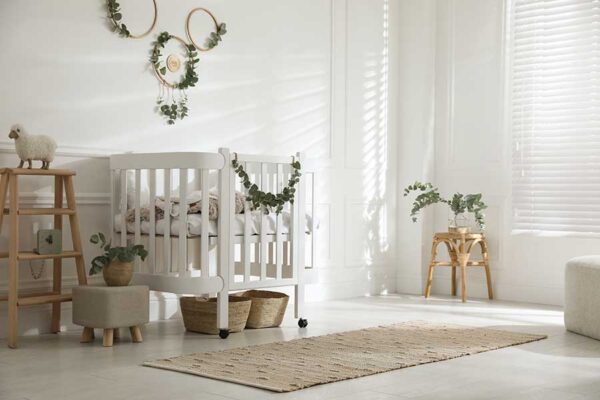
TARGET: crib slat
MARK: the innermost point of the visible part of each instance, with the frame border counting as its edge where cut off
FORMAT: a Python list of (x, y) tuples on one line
[(313, 236), (230, 229), (300, 226), (247, 232), (113, 235), (123, 182), (151, 204), (167, 222), (293, 231), (183, 180), (278, 228), (224, 248), (138, 233), (264, 186), (205, 223)]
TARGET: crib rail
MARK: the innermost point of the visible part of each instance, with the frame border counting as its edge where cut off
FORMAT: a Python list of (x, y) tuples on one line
[(169, 176), (253, 260)]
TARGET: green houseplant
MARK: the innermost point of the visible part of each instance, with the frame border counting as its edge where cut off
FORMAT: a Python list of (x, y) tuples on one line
[(459, 204), (116, 263)]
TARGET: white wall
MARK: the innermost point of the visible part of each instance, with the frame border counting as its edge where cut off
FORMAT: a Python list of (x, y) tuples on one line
[(472, 154), (414, 120), (289, 76)]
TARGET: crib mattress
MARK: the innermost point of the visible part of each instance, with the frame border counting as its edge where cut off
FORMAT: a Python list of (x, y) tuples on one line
[(194, 224)]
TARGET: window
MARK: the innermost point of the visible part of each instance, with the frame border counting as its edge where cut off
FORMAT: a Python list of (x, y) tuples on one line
[(555, 107)]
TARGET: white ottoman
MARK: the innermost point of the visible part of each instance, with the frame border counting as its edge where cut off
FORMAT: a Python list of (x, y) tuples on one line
[(582, 296), (110, 308)]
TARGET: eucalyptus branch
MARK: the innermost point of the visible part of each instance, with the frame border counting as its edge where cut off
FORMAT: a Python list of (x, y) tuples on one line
[(459, 203), (215, 37), (114, 14)]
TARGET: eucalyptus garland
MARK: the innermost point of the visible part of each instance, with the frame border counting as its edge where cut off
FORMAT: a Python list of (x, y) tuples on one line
[(269, 201), (176, 108), (114, 14)]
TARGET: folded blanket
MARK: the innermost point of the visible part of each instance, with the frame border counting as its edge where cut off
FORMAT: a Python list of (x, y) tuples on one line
[(193, 204)]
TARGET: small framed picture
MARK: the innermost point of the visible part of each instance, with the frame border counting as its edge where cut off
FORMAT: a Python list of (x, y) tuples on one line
[(49, 241)]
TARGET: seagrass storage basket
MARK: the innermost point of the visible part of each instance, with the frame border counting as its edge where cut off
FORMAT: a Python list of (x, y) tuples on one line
[(267, 309), (200, 314)]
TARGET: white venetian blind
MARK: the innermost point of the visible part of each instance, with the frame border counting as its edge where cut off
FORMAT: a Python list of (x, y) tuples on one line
[(556, 115)]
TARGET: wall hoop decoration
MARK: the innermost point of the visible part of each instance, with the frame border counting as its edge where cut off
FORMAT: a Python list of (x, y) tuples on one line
[(214, 38), (170, 106), (115, 16)]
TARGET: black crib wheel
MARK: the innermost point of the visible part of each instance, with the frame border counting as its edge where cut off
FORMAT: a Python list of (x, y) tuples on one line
[(302, 323), (223, 333)]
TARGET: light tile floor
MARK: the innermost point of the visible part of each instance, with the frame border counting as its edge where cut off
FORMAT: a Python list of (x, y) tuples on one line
[(565, 366)]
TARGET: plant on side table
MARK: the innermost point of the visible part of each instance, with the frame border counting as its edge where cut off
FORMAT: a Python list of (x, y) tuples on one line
[(459, 205), (116, 263)]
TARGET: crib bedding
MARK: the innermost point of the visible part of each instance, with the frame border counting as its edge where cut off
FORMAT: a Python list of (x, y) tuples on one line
[(194, 224)]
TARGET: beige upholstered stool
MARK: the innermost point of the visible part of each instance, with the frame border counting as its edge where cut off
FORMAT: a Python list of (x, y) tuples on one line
[(110, 308), (582, 299)]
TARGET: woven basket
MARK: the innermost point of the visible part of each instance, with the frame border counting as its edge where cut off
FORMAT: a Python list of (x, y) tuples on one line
[(267, 310), (200, 314)]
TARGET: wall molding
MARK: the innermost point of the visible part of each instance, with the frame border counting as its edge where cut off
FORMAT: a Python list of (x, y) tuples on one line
[(8, 147)]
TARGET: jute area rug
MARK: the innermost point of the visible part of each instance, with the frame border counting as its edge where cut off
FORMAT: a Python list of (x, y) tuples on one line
[(301, 363)]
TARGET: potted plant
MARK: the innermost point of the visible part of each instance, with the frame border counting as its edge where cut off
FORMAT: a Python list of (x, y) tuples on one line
[(459, 205), (116, 263)]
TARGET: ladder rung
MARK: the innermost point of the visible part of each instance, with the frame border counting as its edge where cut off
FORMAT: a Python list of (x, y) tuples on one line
[(25, 295), (37, 171), (29, 255), (46, 299), (42, 211)]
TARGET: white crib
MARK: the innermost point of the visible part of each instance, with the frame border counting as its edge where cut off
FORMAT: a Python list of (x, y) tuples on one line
[(191, 254)]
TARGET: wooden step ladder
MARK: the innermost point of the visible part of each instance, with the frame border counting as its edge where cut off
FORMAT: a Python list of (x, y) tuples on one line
[(9, 182)]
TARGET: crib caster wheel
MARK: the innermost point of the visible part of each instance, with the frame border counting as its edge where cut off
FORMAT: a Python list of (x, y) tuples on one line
[(223, 333), (302, 323)]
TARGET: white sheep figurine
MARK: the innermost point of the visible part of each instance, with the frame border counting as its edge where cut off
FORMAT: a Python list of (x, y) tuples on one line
[(32, 147)]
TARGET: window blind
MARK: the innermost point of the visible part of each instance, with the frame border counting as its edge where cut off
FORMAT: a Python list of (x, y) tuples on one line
[(555, 107)]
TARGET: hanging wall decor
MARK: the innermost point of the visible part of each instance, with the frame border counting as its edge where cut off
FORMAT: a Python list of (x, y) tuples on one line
[(172, 99), (115, 16), (214, 38)]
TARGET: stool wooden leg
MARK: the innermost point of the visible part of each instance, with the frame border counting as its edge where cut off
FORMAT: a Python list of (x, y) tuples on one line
[(431, 266), (116, 334), (463, 282), (87, 335), (107, 340), (486, 264), (454, 262), (453, 279), (136, 334), (13, 264)]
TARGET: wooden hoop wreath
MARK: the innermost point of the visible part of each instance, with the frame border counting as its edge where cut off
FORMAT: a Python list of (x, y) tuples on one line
[(114, 16), (160, 77), (187, 26)]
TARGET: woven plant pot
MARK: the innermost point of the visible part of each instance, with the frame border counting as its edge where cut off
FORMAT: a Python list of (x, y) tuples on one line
[(267, 310), (200, 314), (118, 273)]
